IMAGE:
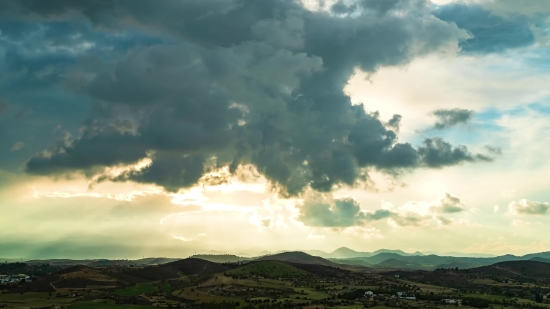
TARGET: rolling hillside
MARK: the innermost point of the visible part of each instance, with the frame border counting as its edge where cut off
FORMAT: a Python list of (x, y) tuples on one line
[(221, 258), (430, 262), (517, 269), (347, 253), (298, 257), (267, 269), (399, 264)]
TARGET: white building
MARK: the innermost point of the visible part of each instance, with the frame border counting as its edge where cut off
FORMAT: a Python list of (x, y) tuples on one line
[(5, 279), (452, 301), (404, 295), (368, 294)]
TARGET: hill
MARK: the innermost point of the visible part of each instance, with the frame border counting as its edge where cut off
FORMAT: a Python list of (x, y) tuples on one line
[(343, 253), (267, 269), (540, 259), (79, 276), (399, 264), (516, 269), (322, 270), (347, 253), (193, 267), (297, 257), (221, 258), (102, 262), (431, 262), (28, 269), (82, 276)]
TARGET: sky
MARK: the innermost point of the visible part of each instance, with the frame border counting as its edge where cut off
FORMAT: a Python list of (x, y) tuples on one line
[(133, 128)]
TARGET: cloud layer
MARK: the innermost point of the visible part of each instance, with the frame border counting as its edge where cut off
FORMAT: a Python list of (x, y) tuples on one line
[(249, 84)]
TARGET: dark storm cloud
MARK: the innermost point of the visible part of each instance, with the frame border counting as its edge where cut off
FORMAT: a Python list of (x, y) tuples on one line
[(490, 33), (450, 117), (436, 153), (243, 83)]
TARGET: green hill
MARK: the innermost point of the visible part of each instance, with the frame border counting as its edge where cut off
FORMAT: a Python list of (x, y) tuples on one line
[(394, 263), (517, 269), (298, 257), (221, 258), (268, 269)]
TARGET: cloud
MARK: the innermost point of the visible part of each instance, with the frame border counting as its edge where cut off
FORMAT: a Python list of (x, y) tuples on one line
[(181, 238), (313, 236), (526, 207), (442, 221), (22, 113), (250, 84), (17, 146), (448, 204), (451, 117), (321, 210), (511, 8), (411, 219), (520, 223), (3, 105), (436, 153), (496, 209), (490, 32)]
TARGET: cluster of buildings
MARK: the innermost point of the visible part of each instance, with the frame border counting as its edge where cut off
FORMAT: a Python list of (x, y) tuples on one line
[(405, 295), (451, 301), (7, 279), (401, 295)]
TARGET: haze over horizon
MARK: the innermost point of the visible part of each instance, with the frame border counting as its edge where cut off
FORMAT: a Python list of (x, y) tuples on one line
[(133, 128)]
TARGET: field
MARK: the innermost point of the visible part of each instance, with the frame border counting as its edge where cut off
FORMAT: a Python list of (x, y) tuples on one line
[(104, 304), (138, 289), (33, 300)]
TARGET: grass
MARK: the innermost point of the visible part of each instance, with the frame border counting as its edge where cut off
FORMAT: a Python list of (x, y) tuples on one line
[(262, 282), (269, 269), (311, 293), (202, 297), (31, 300), (499, 298), (138, 289), (105, 304), (165, 287)]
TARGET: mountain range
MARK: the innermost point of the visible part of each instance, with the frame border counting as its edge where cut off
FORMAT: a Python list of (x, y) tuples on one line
[(347, 253), (380, 259), (344, 253), (430, 262)]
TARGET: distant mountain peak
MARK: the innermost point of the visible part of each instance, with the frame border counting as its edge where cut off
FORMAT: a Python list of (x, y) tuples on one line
[(344, 250)]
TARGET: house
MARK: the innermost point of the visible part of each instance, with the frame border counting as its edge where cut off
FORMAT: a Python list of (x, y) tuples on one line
[(451, 301), (397, 276), (5, 279), (368, 294), (404, 295)]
